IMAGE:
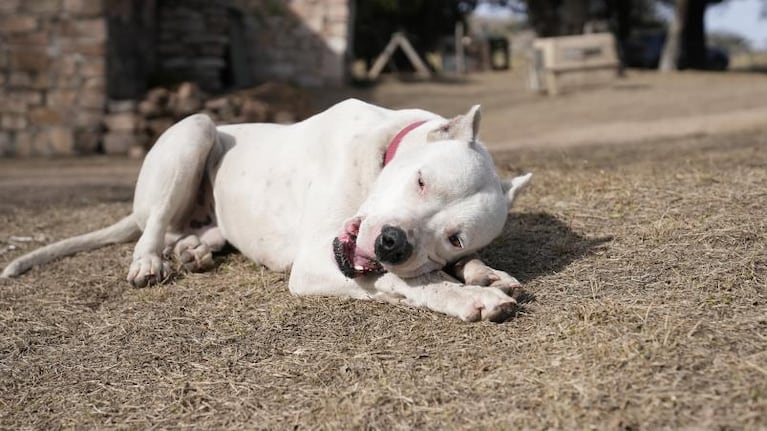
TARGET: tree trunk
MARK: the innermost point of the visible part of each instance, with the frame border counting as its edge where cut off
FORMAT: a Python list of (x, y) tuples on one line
[(694, 36), (619, 13), (670, 57)]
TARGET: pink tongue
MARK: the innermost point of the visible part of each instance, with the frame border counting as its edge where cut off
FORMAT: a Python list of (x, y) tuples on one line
[(362, 261)]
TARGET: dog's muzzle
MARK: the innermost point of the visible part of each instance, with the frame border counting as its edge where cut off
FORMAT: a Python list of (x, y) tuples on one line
[(350, 261), (392, 246)]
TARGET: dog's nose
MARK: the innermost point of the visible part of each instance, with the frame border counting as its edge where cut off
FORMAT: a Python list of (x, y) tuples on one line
[(392, 246)]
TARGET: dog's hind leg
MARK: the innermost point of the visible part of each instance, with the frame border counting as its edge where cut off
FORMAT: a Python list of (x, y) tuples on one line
[(166, 189)]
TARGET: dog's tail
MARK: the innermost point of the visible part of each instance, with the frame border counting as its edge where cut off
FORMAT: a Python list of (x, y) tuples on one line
[(122, 231)]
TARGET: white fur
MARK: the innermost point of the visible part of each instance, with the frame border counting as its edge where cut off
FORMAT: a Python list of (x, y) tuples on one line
[(281, 194)]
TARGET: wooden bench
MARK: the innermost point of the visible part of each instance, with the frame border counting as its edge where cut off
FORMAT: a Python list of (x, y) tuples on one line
[(554, 56)]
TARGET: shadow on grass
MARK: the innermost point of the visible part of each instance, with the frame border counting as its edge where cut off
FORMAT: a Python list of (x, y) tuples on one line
[(535, 244)]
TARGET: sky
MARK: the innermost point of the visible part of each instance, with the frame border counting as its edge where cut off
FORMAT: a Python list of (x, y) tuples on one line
[(741, 17)]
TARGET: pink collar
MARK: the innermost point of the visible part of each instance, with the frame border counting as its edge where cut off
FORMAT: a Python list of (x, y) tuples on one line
[(394, 144)]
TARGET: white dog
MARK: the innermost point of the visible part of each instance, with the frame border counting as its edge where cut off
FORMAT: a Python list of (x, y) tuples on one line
[(357, 201)]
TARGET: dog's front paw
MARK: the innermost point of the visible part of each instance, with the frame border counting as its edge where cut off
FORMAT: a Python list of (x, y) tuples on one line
[(147, 270), (483, 275), (489, 303)]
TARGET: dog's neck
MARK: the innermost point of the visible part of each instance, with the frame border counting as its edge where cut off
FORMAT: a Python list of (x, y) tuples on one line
[(391, 150)]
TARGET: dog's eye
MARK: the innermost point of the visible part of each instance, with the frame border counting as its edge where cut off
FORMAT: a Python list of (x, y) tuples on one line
[(420, 182), (455, 240)]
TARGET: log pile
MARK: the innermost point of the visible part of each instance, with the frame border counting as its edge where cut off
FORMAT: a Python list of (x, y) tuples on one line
[(132, 127)]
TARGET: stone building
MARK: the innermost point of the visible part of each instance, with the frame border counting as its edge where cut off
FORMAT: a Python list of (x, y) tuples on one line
[(65, 63)]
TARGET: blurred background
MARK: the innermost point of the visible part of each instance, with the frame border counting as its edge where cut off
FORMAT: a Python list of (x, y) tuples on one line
[(81, 77)]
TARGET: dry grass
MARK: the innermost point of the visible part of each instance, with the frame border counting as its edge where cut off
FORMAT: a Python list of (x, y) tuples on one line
[(648, 265)]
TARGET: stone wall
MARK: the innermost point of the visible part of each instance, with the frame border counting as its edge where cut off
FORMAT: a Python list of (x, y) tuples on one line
[(52, 76), (226, 44), (192, 42), (305, 41), (65, 64)]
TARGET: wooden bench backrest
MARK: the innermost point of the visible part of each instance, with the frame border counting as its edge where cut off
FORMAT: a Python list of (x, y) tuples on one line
[(554, 55)]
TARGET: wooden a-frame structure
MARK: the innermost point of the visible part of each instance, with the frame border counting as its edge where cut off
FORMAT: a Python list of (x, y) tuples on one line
[(398, 40)]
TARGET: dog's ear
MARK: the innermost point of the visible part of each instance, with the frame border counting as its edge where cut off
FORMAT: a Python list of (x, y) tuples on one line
[(469, 128), (512, 186), (462, 128)]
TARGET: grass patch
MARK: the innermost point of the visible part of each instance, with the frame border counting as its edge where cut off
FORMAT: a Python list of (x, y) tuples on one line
[(648, 267)]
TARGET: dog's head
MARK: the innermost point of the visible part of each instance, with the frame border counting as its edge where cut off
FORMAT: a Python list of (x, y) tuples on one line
[(438, 200)]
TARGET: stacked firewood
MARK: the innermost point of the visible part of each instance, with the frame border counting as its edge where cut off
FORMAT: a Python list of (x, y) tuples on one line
[(133, 126)]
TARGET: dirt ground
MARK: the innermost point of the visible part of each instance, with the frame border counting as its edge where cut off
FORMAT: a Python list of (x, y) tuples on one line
[(646, 262), (640, 107)]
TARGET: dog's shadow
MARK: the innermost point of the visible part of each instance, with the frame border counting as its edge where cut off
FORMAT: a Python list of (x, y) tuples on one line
[(535, 244)]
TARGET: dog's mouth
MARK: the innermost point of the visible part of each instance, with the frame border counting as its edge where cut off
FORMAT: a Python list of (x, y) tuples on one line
[(350, 260)]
